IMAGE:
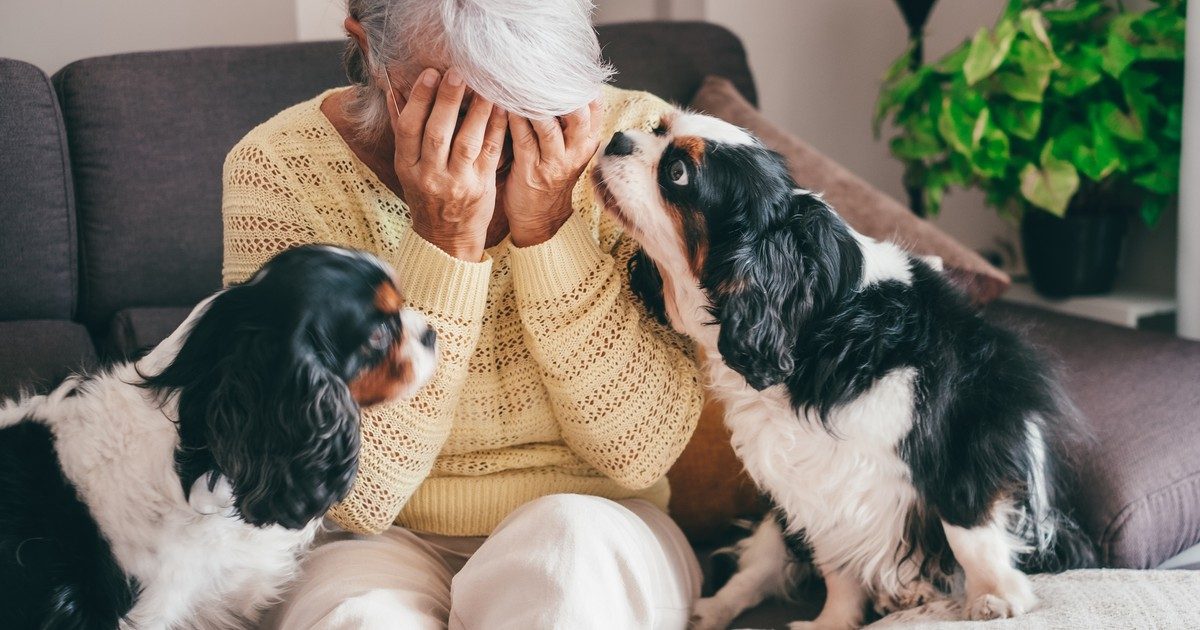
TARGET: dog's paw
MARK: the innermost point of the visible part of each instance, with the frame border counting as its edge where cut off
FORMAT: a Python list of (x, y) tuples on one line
[(1011, 598), (912, 595), (818, 624), (711, 613), (217, 499)]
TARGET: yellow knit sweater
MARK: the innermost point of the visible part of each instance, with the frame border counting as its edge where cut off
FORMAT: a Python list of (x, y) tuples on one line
[(552, 377)]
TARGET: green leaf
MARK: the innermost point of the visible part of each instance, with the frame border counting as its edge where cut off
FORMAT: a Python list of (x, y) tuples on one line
[(952, 63), (1157, 182), (1141, 155), (1152, 208), (1119, 51), (1161, 35), (1122, 125), (1051, 186), (991, 154), (1174, 127), (1105, 155), (900, 66), (1081, 12), (1163, 180), (918, 142), (988, 51), (897, 94), (1033, 57), (1018, 118), (1024, 86), (1032, 24), (932, 196), (956, 126), (1080, 70), (1136, 86)]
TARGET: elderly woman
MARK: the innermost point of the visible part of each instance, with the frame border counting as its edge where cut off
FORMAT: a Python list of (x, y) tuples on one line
[(525, 486)]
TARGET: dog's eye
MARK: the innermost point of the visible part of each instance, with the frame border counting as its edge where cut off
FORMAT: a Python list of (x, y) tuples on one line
[(678, 173), (660, 130), (379, 338)]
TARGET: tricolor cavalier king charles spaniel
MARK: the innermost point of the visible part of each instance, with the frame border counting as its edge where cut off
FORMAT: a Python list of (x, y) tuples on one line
[(909, 447), (178, 491)]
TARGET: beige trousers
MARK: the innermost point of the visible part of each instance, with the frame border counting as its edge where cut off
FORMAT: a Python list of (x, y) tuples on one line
[(561, 561)]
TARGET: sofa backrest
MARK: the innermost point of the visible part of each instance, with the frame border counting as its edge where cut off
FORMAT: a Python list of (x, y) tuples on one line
[(149, 132), (37, 207), (671, 59)]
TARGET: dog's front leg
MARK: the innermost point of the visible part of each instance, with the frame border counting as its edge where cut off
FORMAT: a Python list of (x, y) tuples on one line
[(845, 600), (995, 589), (763, 561)]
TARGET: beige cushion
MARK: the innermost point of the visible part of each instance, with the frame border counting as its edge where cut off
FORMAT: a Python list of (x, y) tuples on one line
[(865, 207)]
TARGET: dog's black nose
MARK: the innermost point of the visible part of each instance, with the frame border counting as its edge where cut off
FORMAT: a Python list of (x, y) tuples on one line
[(429, 337), (619, 145)]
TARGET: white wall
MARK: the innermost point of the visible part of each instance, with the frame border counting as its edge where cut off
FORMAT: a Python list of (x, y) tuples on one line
[(609, 11), (320, 19), (52, 33)]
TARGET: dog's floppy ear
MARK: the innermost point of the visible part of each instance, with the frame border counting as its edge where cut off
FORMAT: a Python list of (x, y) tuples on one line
[(776, 279), (258, 406)]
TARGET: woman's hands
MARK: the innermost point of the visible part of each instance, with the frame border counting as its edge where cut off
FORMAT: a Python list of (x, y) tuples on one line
[(448, 178), (547, 161)]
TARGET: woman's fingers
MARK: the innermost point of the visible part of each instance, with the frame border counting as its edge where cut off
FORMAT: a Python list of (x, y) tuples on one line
[(408, 124), (524, 140), (577, 127), (550, 138), (468, 140), (439, 129), (596, 113), (493, 140)]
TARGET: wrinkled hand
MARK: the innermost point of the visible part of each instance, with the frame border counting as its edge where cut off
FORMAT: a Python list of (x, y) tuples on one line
[(448, 178), (547, 161)]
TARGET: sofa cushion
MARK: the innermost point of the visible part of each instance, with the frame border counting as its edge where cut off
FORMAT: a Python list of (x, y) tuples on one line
[(864, 207), (137, 329), (37, 354), (671, 59), (148, 134), (709, 486), (1140, 393), (37, 214)]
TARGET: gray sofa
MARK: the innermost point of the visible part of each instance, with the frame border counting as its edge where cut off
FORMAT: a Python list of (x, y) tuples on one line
[(110, 184)]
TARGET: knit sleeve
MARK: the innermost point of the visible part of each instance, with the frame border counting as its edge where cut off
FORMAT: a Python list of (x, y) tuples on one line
[(266, 210), (625, 390)]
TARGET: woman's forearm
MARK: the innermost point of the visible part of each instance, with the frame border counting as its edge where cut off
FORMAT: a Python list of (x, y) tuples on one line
[(626, 391)]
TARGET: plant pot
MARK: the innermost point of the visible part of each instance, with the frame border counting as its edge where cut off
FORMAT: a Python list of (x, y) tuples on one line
[(1076, 255)]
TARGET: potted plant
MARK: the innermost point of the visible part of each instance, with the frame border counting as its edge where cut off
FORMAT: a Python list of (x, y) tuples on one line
[(1066, 114)]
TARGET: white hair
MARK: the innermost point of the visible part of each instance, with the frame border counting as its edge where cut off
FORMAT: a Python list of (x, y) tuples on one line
[(535, 58)]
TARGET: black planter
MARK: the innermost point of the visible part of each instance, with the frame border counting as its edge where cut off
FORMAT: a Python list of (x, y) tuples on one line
[(1072, 256)]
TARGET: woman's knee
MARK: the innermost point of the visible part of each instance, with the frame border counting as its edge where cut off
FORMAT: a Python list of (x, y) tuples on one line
[(583, 559), (367, 583), (566, 514)]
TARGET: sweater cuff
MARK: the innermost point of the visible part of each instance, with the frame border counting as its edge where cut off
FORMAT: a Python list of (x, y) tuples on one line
[(436, 282), (555, 268)]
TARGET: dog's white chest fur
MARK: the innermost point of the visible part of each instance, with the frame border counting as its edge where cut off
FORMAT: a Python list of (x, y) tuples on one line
[(849, 490), (194, 570)]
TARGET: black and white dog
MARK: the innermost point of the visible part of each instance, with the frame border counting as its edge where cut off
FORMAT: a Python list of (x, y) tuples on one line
[(178, 491), (904, 441)]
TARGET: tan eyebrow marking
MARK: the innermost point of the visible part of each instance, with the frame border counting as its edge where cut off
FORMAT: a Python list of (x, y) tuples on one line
[(388, 298), (693, 146)]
